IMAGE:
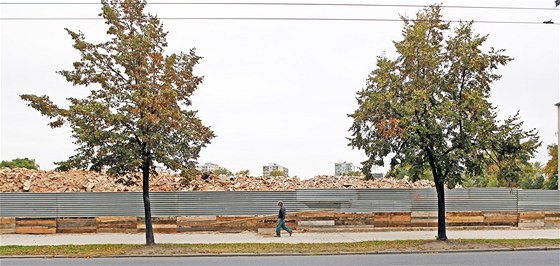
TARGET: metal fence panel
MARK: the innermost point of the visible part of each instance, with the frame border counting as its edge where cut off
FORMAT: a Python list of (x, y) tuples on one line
[(383, 200), (326, 195), (481, 199), (96, 204), (539, 200), (235, 202), (424, 200)]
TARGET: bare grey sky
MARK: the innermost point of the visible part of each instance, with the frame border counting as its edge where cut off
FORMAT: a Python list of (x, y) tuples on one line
[(274, 91)]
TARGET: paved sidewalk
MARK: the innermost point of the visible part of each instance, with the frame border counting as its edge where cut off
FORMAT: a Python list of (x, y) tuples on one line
[(249, 237)]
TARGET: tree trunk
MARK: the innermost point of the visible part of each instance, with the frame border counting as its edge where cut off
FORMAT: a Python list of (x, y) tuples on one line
[(442, 235), (439, 182), (147, 209)]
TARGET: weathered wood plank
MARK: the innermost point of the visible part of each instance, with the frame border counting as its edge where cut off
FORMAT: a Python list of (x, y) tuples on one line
[(117, 224), (7, 220), (531, 215), (76, 225), (160, 224), (501, 218), (35, 225), (7, 225), (35, 230), (36, 221)]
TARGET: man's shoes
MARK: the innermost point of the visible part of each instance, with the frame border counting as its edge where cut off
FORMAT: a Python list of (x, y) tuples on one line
[(276, 236), (290, 233)]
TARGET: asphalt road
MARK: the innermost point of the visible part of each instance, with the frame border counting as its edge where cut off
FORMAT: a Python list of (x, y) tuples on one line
[(551, 257)]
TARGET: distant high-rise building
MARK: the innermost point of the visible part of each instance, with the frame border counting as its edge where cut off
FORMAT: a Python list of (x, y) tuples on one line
[(267, 169), (343, 168), (207, 167)]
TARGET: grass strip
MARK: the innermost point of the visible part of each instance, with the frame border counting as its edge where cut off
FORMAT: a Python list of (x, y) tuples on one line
[(261, 248)]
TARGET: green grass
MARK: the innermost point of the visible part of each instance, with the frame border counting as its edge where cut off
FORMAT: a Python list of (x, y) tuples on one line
[(67, 250), (315, 248)]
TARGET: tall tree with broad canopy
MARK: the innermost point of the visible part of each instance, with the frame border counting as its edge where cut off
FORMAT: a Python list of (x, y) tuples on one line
[(429, 109), (137, 114)]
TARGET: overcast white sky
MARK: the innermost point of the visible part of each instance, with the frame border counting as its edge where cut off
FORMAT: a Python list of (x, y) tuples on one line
[(274, 91)]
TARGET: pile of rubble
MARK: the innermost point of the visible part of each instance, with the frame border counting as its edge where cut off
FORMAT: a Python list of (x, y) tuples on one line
[(25, 180), (358, 182)]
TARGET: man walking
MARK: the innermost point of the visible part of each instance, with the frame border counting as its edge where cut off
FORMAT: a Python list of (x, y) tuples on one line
[(281, 223)]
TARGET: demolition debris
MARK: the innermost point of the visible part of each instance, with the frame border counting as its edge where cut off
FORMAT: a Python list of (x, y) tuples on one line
[(25, 180)]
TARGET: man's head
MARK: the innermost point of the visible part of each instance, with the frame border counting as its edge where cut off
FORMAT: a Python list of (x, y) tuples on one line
[(280, 203)]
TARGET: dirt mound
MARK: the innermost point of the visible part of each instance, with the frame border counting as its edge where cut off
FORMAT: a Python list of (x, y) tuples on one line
[(25, 180)]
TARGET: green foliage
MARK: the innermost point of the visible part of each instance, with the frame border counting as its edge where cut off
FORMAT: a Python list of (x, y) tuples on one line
[(532, 183), (398, 172), (488, 178), (402, 171), (477, 181), (531, 177), (222, 171), (429, 107), (188, 174), (551, 182), (354, 173), (137, 113), (110, 250), (512, 148), (276, 173), (243, 172), (494, 182), (20, 163), (551, 167)]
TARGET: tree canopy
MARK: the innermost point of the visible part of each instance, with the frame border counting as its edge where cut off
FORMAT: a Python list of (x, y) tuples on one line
[(428, 109), (222, 171), (20, 163), (277, 173), (243, 172), (138, 112), (551, 168)]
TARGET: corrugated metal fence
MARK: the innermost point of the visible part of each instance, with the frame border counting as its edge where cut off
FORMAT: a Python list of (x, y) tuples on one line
[(97, 204)]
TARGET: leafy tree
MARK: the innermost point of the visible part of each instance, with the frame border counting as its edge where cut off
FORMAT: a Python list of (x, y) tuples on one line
[(551, 168), (429, 108), (137, 114), (222, 171), (243, 172), (487, 178), (20, 163), (476, 181), (535, 182), (276, 173), (402, 170), (533, 177), (354, 173), (188, 175), (551, 182)]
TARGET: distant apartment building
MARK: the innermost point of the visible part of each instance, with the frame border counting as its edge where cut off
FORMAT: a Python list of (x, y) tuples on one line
[(207, 167), (343, 168), (267, 169)]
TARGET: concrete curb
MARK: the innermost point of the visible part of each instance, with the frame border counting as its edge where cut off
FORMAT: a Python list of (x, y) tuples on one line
[(389, 252)]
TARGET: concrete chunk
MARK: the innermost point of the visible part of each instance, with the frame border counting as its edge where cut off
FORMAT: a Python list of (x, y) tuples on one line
[(196, 218), (266, 231), (316, 223)]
